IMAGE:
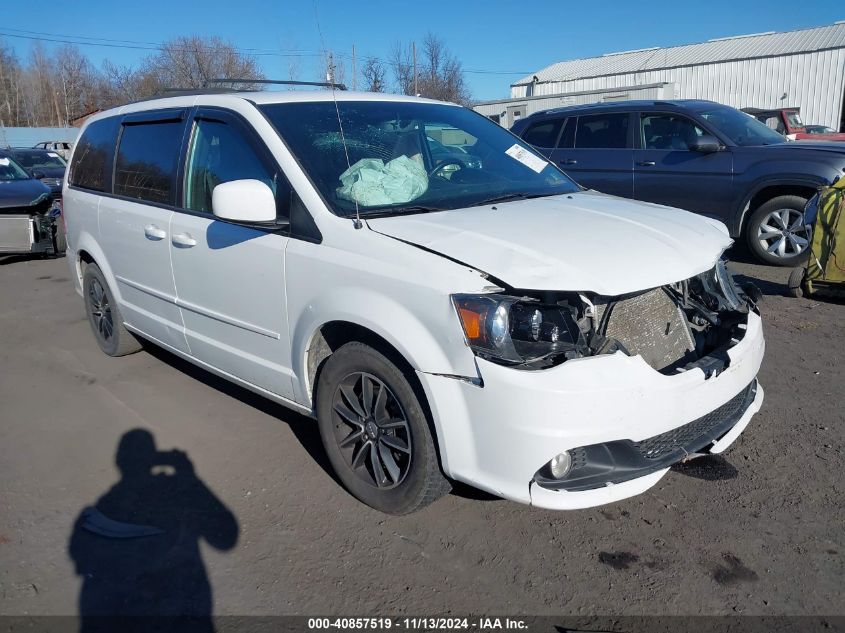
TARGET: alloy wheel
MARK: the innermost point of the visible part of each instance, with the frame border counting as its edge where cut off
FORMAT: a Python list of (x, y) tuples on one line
[(372, 430), (782, 233), (98, 301)]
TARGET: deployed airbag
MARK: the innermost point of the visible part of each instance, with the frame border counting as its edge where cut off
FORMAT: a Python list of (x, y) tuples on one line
[(372, 182)]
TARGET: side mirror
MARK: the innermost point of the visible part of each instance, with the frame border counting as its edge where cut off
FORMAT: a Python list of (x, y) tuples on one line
[(705, 144), (38, 175), (244, 201)]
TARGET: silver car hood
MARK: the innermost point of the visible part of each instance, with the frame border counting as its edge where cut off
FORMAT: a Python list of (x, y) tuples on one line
[(583, 241)]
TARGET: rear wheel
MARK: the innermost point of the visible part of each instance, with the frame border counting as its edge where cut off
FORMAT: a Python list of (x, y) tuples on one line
[(776, 232), (104, 315), (376, 433)]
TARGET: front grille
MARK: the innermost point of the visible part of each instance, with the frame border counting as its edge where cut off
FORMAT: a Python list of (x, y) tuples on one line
[(701, 429)]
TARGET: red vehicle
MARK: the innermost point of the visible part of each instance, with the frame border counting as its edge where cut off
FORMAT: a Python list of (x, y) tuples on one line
[(788, 122)]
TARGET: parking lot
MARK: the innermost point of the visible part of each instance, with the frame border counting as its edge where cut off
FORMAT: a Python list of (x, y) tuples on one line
[(758, 531)]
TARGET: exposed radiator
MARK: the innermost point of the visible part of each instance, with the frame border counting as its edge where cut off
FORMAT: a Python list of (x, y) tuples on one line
[(649, 324), (16, 233)]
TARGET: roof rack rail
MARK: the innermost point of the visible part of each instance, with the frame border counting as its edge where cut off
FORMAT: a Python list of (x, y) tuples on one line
[(282, 82)]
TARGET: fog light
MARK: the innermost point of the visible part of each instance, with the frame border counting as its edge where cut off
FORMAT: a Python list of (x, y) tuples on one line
[(560, 465)]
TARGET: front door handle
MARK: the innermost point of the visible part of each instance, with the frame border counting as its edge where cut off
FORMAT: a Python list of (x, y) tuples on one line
[(154, 233), (183, 240), (646, 163), (569, 161)]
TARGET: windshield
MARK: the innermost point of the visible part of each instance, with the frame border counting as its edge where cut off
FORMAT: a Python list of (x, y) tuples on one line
[(10, 170), (410, 157), (40, 160), (741, 128)]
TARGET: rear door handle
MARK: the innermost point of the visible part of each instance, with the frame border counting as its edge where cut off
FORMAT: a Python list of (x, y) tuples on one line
[(646, 163), (569, 161), (183, 240), (154, 233)]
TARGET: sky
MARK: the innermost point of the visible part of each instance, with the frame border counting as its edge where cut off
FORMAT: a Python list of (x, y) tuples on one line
[(497, 42)]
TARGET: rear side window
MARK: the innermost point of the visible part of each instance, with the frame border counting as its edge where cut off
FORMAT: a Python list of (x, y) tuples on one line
[(543, 133), (147, 159), (602, 131), (92, 161)]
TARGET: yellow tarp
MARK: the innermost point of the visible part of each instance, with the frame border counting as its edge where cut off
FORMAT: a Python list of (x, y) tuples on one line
[(827, 258)]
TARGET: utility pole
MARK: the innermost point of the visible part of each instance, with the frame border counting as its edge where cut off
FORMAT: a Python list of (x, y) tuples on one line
[(330, 68), (354, 70), (414, 53)]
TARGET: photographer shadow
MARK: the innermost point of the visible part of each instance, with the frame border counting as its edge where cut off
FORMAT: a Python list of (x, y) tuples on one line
[(138, 548)]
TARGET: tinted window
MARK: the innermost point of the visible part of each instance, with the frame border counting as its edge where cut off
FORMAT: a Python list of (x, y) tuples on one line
[(543, 133), (741, 128), (602, 131), (219, 153), (92, 161), (147, 160), (668, 131)]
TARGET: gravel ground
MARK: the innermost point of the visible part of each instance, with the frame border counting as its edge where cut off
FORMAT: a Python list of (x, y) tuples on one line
[(759, 531)]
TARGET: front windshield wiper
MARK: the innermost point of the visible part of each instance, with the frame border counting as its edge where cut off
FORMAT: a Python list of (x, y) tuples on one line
[(384, 212), (507, 197)]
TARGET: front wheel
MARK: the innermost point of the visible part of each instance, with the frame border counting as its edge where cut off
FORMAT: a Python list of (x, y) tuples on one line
[(776, 232), (376, 433)]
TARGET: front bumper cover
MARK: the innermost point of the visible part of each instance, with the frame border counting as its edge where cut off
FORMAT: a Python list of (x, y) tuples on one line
[(617, 461)]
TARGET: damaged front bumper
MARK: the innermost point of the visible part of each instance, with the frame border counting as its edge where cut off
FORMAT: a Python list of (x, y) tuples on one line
[(499, 436)]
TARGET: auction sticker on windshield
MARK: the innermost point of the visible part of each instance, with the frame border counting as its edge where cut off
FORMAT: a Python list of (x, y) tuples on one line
[(532, 161)]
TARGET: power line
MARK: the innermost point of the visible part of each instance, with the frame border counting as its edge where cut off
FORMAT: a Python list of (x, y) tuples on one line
[(156, 46)]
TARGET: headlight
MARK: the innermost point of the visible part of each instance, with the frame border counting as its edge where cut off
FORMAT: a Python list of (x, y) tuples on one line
[(518, 329), (717, 288)]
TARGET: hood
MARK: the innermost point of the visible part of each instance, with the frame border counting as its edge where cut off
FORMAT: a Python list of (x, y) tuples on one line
[(21, 193), (803, 145), (583, 241)]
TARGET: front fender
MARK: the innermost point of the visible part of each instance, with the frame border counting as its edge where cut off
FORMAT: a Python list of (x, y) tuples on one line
[(434, 346), (763, 182)]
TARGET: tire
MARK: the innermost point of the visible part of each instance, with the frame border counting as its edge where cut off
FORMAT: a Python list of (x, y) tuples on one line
[(789, 242), (796, 282), (104, 315), (386, 457)]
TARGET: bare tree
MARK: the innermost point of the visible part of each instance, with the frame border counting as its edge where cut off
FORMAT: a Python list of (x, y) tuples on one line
[(11, 112), (441, 74), (402, 64), (76, 81), (192, 62), (373, 73)]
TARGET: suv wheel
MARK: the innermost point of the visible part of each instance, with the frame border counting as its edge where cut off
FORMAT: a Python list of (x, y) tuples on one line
[(376, 433), (776, 233), (104, 315)]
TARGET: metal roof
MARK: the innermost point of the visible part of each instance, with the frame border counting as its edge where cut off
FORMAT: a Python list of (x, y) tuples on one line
[(713, 51)]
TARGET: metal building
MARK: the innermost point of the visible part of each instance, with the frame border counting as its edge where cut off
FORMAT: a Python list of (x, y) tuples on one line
[(804, 68)]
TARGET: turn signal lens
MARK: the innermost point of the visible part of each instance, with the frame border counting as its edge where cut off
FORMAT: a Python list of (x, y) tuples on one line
[(471, 322)]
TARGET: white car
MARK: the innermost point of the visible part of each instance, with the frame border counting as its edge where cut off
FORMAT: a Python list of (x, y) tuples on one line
[(487, 321)]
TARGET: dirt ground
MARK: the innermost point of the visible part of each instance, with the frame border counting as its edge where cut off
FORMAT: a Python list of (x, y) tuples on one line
[(269, 531)]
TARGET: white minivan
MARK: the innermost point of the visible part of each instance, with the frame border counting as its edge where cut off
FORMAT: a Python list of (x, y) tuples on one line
[(445, 302)]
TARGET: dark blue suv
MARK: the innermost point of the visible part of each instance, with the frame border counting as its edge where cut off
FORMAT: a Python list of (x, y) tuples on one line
[(696, 155)]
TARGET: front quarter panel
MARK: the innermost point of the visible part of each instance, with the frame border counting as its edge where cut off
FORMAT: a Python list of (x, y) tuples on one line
[(394, 289)]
